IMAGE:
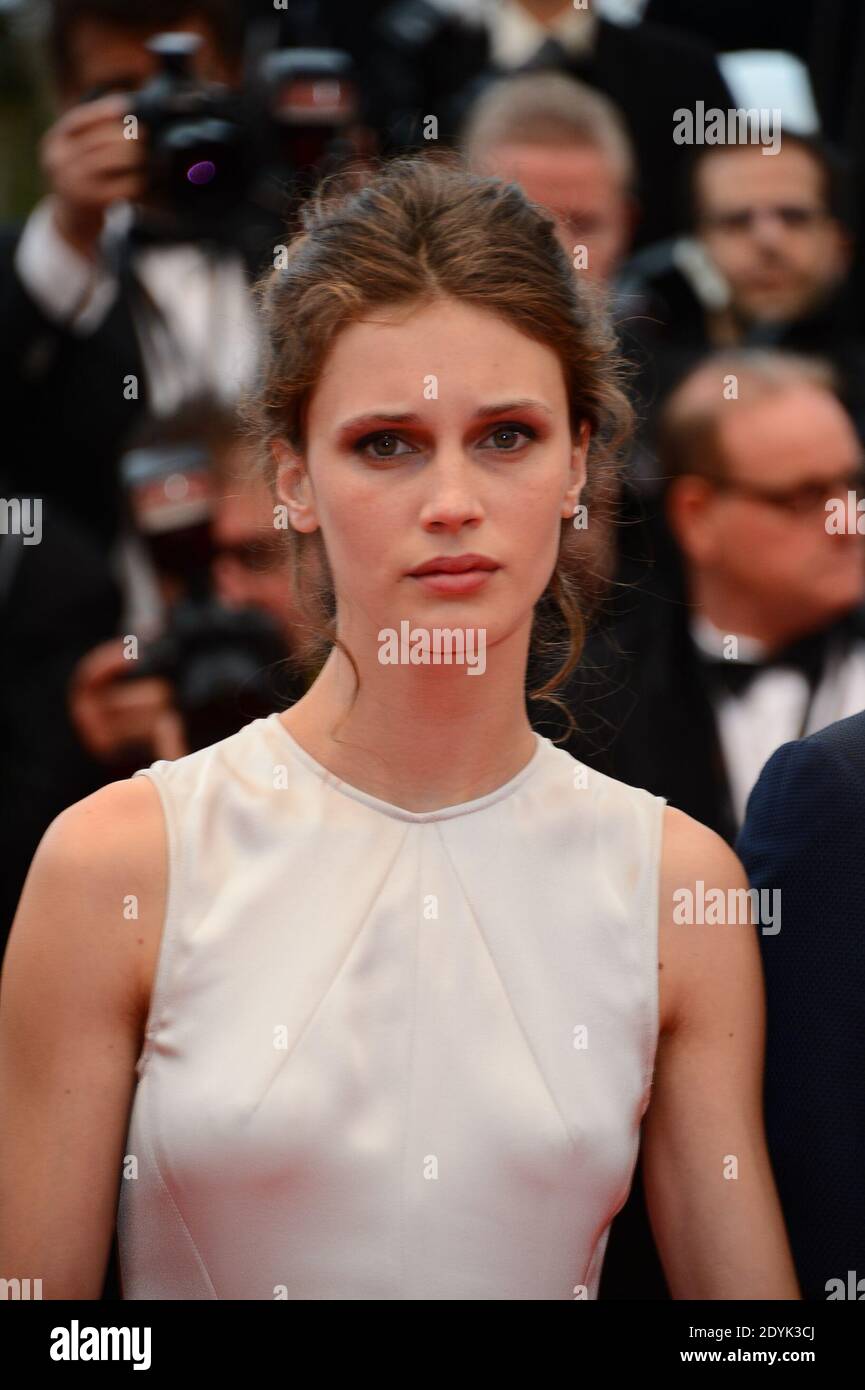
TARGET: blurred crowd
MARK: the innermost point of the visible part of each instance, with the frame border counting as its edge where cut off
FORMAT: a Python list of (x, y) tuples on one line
[(155, 613)]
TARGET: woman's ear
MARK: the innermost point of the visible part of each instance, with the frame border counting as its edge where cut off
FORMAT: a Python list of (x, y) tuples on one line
[(577, 471), (294, 487)]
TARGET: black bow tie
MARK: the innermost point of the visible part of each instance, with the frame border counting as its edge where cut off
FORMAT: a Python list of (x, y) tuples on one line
[(552, 55), (807, 655)]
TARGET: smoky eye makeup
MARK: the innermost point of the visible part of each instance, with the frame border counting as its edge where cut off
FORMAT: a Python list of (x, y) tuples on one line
[(361, 446), (519, 434), (511, 427)]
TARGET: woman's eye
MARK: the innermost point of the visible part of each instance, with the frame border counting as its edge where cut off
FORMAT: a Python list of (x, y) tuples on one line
[(385, 445), (509, 437)]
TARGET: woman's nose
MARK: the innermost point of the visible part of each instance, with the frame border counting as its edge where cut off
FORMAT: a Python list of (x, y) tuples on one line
[(452, 500)]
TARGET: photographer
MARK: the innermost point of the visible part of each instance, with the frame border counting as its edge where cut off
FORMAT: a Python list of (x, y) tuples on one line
[(96, 326), (124, 710), (118, 305)]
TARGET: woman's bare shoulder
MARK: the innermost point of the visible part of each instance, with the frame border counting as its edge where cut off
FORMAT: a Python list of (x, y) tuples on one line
[(692, 849), (72, 1021), (116, 831), (699, 868), (96, 888)]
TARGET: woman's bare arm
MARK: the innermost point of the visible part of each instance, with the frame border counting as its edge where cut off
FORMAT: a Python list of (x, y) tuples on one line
[(709, 1186), (72, 1010)]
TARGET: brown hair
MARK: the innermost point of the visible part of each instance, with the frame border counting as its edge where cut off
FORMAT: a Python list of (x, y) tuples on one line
[(420, 228)]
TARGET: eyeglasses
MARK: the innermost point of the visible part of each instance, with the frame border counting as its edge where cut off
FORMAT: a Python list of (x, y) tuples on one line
[(801, 500), (794, 217), (258, 555)]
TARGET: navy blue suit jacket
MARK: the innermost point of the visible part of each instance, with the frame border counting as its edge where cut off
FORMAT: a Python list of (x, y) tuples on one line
[(804, 833)]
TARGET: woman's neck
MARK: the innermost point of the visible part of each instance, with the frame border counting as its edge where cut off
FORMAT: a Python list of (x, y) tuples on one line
[(419, 736)]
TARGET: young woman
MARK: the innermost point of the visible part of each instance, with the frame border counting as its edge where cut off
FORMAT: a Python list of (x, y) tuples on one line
[(368, 1000)]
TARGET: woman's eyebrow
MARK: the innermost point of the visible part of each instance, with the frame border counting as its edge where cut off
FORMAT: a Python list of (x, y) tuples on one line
[(394, 417), (378, 417), (526, 403)]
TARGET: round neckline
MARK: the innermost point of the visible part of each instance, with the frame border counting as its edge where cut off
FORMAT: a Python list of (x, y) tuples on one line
[(388, 808)]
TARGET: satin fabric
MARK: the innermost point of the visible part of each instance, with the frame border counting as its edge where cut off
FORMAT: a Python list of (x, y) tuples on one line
[(390, 1054)]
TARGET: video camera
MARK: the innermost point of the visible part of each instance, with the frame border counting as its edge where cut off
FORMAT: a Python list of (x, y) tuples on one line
[(208, 145)]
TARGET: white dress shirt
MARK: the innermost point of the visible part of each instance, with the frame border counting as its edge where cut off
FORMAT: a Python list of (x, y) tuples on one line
[(515, 35), (754, 723), (208, 342)]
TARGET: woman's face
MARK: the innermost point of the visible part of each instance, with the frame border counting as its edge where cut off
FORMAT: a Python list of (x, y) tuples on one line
[(436, 431)]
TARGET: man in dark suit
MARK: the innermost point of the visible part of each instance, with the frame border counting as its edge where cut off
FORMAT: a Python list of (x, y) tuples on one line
[(803, 835), (748, 630)]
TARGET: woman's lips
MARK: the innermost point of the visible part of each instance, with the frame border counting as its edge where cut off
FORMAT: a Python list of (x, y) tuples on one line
[(465, 582)]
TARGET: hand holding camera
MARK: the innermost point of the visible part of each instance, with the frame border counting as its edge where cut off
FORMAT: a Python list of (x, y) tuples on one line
[(89, 164)]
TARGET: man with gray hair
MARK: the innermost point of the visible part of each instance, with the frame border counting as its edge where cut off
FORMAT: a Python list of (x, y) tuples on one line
[(568, 148), (752, 634)]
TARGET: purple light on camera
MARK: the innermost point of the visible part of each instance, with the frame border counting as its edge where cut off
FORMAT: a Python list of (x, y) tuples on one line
[(202, 172)]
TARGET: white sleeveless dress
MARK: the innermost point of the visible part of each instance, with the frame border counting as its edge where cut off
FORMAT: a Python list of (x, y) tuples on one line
[(390, 1054)]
